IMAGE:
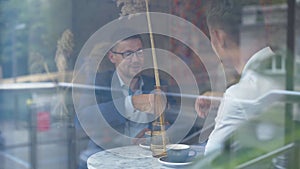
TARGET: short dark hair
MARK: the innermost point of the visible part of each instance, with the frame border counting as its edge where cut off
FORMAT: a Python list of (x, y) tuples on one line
[(225, 15), (125, 31), (137, 36)]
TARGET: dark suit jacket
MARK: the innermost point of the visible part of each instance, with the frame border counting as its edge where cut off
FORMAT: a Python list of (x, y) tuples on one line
[(113, 99), (108, 100)]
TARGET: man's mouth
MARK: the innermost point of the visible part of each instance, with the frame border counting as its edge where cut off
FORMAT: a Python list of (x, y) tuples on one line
[(136, 66)]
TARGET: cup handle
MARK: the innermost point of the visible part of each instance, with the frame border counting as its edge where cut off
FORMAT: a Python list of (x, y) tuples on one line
[(194, 153)]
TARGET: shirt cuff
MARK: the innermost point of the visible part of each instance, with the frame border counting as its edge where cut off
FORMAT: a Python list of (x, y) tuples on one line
[(128, 105)]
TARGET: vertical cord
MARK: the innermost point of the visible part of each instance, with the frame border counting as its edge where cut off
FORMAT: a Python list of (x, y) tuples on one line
[(156, 74)]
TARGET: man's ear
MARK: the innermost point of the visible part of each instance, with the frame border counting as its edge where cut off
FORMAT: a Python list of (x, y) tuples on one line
[(110, 56)]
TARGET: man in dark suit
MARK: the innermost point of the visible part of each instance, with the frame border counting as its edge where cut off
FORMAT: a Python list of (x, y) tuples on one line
[(122, 105), (127, 104)]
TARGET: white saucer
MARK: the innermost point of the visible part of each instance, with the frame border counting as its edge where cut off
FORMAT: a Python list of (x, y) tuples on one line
[(145, 146), (164, 161)]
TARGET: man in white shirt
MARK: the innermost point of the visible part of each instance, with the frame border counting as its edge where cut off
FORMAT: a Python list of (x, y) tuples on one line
[(224, 23)]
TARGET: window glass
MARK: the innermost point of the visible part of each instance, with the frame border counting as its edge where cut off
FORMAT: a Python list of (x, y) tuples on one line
[(54, 67)]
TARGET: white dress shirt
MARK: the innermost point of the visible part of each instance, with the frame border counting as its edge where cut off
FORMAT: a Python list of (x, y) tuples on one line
[(233, 111), (137, 121)]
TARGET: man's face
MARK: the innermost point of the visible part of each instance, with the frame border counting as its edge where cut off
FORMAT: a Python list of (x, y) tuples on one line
[(127, 67)]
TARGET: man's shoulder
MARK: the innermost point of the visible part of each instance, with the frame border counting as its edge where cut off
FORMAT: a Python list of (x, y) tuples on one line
[(253, 85), (106, 74), (103, 77)]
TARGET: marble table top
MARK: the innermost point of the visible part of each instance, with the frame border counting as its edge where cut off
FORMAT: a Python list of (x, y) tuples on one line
[(128, 157)]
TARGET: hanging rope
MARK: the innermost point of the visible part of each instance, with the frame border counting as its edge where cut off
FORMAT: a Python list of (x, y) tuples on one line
[(156, 74)]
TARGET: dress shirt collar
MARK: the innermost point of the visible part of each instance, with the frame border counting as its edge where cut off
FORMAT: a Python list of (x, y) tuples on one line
[(122, 84), (256, 59)]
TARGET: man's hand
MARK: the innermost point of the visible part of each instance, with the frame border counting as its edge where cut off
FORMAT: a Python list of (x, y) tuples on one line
[(139, 138), (143, 102), (150, 103), (203, 105)]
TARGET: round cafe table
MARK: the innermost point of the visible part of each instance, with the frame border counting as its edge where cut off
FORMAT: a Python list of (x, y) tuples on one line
[(129, 157)]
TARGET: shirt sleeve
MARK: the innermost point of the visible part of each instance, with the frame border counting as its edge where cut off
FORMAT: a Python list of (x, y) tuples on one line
[(230, 115), (136, 115)]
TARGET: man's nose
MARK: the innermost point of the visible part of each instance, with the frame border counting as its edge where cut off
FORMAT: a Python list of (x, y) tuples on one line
[(135, 58)]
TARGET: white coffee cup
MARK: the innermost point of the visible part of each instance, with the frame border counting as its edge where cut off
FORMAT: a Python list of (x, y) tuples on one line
[(179, 152)]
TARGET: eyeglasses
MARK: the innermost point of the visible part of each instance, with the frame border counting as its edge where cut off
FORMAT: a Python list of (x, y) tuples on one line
[(130, 54)]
